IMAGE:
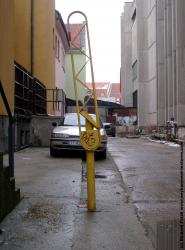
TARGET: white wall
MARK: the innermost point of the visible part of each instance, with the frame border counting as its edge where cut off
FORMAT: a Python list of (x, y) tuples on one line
[(60, 66)]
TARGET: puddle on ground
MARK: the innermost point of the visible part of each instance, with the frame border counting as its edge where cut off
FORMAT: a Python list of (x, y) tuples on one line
[(107, 175), (130, 169)]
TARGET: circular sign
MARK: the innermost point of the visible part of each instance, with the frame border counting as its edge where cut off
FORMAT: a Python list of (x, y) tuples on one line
[(90, 139)]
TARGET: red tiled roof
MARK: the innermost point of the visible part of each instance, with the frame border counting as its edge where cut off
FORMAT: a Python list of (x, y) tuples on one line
[(115, 91), (106, 90), (102, 89)]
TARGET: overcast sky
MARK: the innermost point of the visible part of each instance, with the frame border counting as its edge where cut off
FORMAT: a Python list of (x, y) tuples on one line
[(104, 27)]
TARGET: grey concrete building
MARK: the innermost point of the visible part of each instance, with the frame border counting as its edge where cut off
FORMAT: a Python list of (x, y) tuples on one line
[(126, 56), (171, 61), (153, 60), (139, 60)]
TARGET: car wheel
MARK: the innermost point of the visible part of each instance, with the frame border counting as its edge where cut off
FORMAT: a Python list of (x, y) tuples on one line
[(53, 152), (103, 154), (83, 155)]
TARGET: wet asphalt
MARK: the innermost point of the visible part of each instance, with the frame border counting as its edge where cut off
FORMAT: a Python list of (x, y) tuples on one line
[(53, 215), (136, 187), (151, 174), (114, 226), (50, 188)]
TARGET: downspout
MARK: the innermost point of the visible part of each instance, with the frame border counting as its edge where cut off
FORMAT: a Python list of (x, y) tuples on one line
[(157, 67), (32, 39), (32, 51)]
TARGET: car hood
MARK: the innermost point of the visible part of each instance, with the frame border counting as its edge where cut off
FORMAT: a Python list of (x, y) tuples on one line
[(70, 130), (73, 130)]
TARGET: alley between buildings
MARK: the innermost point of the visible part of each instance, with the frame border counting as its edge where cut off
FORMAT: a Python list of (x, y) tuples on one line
[(137, 193)]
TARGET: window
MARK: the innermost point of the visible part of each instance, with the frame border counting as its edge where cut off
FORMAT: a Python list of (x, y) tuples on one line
[(135, 99), (30, 93), (53, 38), (72, 119), (134, 71), (56, 46), (134, 16), (58, 50)]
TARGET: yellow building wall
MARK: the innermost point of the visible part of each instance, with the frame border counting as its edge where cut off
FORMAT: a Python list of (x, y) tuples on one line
[(7, 52), (44, 53), (43, 43), (15, 43), (23, 33)]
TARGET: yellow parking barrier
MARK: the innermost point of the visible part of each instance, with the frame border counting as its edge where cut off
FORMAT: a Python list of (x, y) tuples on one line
[(90, 138)]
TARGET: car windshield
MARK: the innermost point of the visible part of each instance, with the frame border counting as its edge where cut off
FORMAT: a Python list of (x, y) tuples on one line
[(72, 120)]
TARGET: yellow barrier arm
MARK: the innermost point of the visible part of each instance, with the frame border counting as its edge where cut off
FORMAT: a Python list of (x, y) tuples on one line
[(90, 138)]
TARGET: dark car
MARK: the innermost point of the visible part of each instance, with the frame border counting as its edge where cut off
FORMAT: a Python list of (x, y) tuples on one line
[(110, 129)]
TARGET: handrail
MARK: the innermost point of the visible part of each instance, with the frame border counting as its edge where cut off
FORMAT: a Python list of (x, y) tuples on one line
[(5, 101), (10, 133)]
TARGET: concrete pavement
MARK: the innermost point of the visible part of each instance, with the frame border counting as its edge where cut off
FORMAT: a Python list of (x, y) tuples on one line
[(49, 215), (115, 225), (151, 174), (50, 189)]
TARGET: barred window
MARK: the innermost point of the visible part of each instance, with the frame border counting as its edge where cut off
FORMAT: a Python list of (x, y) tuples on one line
[(30, 93)]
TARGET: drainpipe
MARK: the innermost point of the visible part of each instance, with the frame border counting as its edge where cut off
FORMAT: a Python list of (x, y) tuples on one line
[(32, 49), (157, 65), (32, 38)]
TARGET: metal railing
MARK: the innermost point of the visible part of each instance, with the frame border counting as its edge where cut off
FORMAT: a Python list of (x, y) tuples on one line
[(32, 97), (30, 94)]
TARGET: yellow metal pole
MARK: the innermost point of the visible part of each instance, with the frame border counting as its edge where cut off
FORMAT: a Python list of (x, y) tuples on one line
[(92, 76), (90, 139), (91, 192)]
